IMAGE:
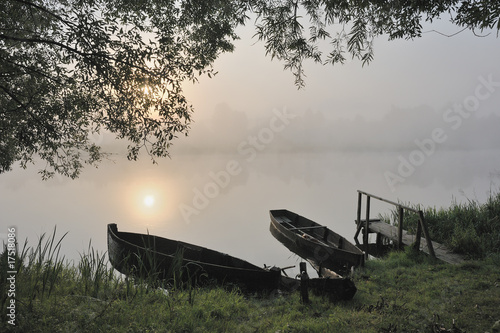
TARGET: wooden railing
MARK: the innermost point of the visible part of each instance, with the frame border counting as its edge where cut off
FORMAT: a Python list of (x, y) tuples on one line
[(421, 226)]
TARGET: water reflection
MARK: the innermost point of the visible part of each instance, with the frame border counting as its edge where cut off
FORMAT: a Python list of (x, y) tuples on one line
[(318, 185)]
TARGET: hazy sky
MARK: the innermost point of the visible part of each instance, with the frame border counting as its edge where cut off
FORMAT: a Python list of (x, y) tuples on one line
[(404, 100)]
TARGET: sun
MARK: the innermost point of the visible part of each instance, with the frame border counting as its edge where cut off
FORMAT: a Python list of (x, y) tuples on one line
[(149, 200)]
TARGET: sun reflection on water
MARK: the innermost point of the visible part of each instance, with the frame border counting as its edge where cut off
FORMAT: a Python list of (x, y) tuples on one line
[(149, 204)]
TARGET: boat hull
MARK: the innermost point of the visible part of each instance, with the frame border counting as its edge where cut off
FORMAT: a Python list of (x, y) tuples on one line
[(322, 247), (152, 257)]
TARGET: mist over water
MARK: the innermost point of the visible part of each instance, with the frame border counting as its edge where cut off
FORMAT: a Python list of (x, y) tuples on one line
[(217, 189)]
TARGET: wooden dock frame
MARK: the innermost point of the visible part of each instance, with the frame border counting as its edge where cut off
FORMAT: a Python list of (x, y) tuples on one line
[(387, 231)]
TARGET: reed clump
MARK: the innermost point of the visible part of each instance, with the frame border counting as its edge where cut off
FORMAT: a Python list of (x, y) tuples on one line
[(471, 228)]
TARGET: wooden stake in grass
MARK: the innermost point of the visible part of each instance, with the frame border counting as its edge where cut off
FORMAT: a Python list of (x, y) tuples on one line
[(304, 284)]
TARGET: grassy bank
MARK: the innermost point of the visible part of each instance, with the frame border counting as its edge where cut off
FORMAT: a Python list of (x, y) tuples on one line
[(404, 292), (471, 228)]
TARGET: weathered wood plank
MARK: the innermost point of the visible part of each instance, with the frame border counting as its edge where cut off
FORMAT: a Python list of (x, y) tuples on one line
[(307, 228), (391, 232)]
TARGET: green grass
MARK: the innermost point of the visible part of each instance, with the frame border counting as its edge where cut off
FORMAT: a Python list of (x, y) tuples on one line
[(403, 292)]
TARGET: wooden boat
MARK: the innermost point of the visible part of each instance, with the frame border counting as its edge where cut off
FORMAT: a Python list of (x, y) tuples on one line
[(324, 249), (148, 256)]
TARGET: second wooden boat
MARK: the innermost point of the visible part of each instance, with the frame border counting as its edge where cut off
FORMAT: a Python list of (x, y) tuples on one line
[(323, 248)]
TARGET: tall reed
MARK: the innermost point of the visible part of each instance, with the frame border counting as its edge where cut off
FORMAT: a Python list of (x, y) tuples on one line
[(94, 275), (42, 266)]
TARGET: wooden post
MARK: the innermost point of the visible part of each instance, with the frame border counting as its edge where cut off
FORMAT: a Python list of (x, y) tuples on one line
[(367, 222), (416, 245), (358, 217), (304, 283), (426, 233), (400, 227), (379, 244)]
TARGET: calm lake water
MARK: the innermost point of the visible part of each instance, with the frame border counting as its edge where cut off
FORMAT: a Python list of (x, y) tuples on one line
[(222, 200)]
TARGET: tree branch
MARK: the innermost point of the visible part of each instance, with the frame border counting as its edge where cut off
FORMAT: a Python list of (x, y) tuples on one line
[(45, 10), (74, 50), (31, 70), (442, 34), (14, 98)]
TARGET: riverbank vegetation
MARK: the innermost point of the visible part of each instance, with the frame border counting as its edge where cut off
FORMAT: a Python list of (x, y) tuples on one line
[(471, 229), (403, 292)]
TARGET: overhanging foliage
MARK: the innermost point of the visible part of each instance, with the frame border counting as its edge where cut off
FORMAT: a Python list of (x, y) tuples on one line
[(70, 69)]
